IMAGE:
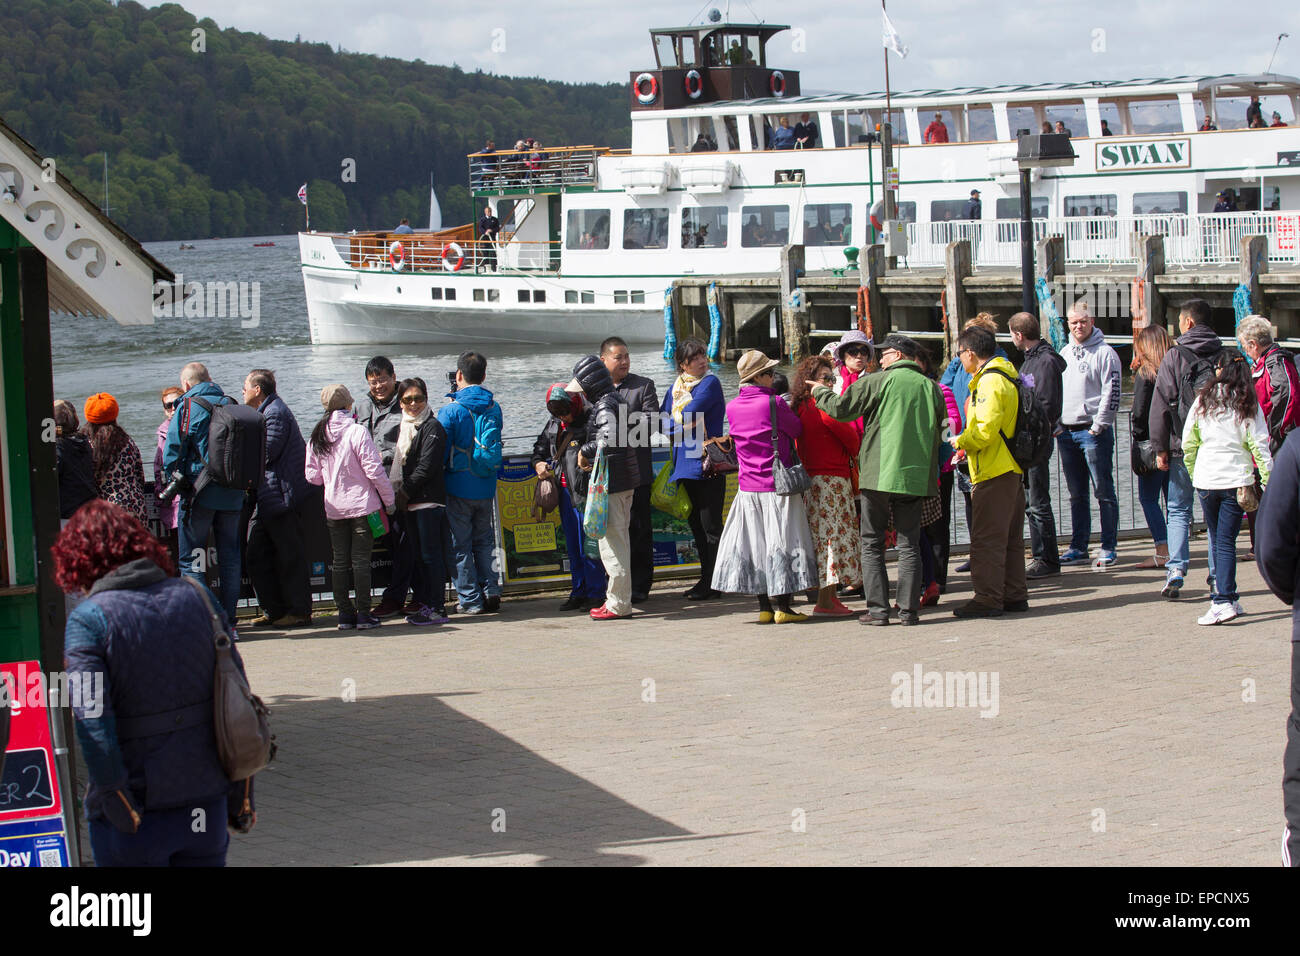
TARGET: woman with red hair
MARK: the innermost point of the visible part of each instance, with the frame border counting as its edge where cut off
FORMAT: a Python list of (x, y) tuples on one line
[(141, 649)]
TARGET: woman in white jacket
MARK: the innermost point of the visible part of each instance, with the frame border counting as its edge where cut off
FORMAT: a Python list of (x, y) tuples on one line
[(1225, 439)]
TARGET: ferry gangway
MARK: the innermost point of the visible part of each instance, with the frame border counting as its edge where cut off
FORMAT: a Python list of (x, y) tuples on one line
[(1189, 240)]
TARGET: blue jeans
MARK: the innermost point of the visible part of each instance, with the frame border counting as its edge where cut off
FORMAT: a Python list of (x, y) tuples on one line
[(1150, 488), (1181, 495), (474, 541), (1223, 518), (1084, 458), (165, 838), (586, 574), (430, 525), (192, 536)]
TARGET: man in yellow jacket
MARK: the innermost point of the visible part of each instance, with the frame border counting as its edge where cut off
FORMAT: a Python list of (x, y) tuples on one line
[(997, 534)]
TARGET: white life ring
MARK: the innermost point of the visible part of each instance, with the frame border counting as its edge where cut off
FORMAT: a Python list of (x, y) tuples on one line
[(649, 96), (777, 84), (396, 256), (694, 84), (453, 257), (877, 214)]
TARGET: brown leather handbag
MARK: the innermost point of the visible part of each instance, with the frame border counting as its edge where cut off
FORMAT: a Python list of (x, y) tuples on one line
[(719, 456)]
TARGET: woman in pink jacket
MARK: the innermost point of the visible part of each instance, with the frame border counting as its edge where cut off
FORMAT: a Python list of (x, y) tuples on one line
[(766, 547), (342, 456)]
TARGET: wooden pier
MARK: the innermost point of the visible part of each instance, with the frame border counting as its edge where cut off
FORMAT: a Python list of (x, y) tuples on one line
[(793, 313)]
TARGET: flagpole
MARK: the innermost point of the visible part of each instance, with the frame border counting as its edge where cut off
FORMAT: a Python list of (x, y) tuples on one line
[(887, 151)]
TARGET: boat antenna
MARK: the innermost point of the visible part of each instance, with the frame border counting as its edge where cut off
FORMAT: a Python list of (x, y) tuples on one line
[(1274, 56)]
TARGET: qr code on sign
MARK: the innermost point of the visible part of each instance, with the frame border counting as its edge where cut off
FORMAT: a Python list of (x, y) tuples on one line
[(50, 858)]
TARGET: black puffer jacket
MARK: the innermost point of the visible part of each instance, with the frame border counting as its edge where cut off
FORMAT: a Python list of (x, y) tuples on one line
[(422, 475), (559, 442), (608, 425), (75, 465)]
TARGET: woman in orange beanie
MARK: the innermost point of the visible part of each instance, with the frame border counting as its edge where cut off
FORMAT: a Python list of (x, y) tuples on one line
[(119, 470)]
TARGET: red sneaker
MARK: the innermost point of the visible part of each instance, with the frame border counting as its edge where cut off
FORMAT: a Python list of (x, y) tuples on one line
[(930, 596), (603, 613)]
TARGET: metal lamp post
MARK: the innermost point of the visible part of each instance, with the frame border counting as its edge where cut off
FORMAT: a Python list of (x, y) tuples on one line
[(1038, 151)]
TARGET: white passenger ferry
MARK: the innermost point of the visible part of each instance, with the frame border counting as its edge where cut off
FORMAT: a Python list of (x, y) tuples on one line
[(592, 237)]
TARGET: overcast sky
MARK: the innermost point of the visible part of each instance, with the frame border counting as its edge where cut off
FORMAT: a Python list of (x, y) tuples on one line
[(837, 46)]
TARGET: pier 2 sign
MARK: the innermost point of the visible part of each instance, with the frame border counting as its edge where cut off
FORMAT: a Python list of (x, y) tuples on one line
[(1145, 154)]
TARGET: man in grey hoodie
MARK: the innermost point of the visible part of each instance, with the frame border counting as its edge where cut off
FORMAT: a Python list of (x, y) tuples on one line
[(1090, 389)]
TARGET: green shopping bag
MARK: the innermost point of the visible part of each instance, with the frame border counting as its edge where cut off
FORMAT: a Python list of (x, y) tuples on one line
[(595, 517), (670, 496)]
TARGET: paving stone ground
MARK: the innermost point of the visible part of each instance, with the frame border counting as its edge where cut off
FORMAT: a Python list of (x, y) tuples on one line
[(692, 735)]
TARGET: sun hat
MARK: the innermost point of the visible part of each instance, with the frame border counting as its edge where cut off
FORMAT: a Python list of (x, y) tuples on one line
[(335, 396), (753, 363), (853, 337), (101, 408)]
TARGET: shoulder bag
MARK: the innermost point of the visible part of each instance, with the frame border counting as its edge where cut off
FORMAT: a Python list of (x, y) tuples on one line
[(793, 480)]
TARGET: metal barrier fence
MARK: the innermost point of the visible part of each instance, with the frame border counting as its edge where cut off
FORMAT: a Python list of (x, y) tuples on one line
[(1190, 240)]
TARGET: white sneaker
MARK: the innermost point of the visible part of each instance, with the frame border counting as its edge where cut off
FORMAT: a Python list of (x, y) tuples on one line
[(1236, 606), (1219, 613)]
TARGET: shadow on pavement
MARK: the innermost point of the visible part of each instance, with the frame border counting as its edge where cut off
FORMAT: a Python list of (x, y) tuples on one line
[(408, 778)]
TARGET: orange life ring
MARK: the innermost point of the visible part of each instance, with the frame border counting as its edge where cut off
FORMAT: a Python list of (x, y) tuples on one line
[(777, 83), (396, 256), (694, 84), (453, 257), (647, 97)]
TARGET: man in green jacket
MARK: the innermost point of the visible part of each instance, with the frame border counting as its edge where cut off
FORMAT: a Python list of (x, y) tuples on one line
[(997, 534), (903, 413)]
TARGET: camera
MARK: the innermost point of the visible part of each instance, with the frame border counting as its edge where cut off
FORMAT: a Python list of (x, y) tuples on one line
[(178, 485), (451, 380)]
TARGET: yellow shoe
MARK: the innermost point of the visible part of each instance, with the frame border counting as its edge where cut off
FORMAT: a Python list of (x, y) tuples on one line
[(790, 617), (764, 617)]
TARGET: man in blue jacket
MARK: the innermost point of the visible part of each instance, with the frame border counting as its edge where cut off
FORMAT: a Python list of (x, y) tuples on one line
[(214, 509), (472, 421), (276, 558), (1277, 555)]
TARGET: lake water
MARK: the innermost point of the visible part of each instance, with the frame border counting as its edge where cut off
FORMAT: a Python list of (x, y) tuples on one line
[(135, 362)]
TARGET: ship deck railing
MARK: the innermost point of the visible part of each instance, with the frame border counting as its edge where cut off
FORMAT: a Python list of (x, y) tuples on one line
[(1195, 239), (533, 170), (451, 250)]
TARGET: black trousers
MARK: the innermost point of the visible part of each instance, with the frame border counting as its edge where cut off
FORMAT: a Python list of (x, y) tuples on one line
[(642, 536), (1039, 514), (940, 532), (707, 496), (276, 562), (1291, 767), (406, 567)]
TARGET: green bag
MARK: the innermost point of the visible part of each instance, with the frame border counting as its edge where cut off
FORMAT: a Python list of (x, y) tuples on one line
[(595, 516), (670, 496)]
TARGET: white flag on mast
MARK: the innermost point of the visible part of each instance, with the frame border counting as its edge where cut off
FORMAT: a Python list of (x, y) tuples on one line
[(892, 40)]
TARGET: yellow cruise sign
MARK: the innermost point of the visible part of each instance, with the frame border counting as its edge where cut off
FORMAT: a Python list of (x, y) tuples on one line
[(1145, 154)]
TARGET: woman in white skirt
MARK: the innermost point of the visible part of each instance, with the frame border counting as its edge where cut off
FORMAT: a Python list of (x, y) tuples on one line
[(766, 548)]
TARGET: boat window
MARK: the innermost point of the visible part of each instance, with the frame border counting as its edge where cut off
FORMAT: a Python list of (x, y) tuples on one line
[(1110, 113), (764, 226), (1071, 115), (449, 295), (494, 295), (1022, 117), (859, 129), (620, 297), (638, 297), (571, 296), (900, 126), (587, 229), (905, 211), (478, 295), (539, 295), (588, 298), (946, 210), (1095, 205), (704, 227), (733, 133), (1157, 116), (980, 122), (827, 224), (1152, 204), (524, 296), (1039, 207), (437, 293), (645, 228), (1248, 198), (664, 49), (688, 51), (940, 127)]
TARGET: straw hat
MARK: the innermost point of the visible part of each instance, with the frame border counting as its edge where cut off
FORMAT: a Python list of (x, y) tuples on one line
[(754, 363)]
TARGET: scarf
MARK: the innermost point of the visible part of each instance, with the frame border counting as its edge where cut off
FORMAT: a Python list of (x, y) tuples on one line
[(682, 394), (405, 437)]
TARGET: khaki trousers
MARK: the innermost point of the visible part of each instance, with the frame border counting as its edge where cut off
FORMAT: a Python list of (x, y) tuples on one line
[(616, 553), (997, 540)]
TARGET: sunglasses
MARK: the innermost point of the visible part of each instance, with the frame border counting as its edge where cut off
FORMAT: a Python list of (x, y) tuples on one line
[(414, 400), (171, 406), (856, 352)]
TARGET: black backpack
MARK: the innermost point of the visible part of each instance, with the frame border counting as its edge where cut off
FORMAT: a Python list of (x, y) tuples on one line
[(1195, 373), (1031, 445), (236, 445)]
